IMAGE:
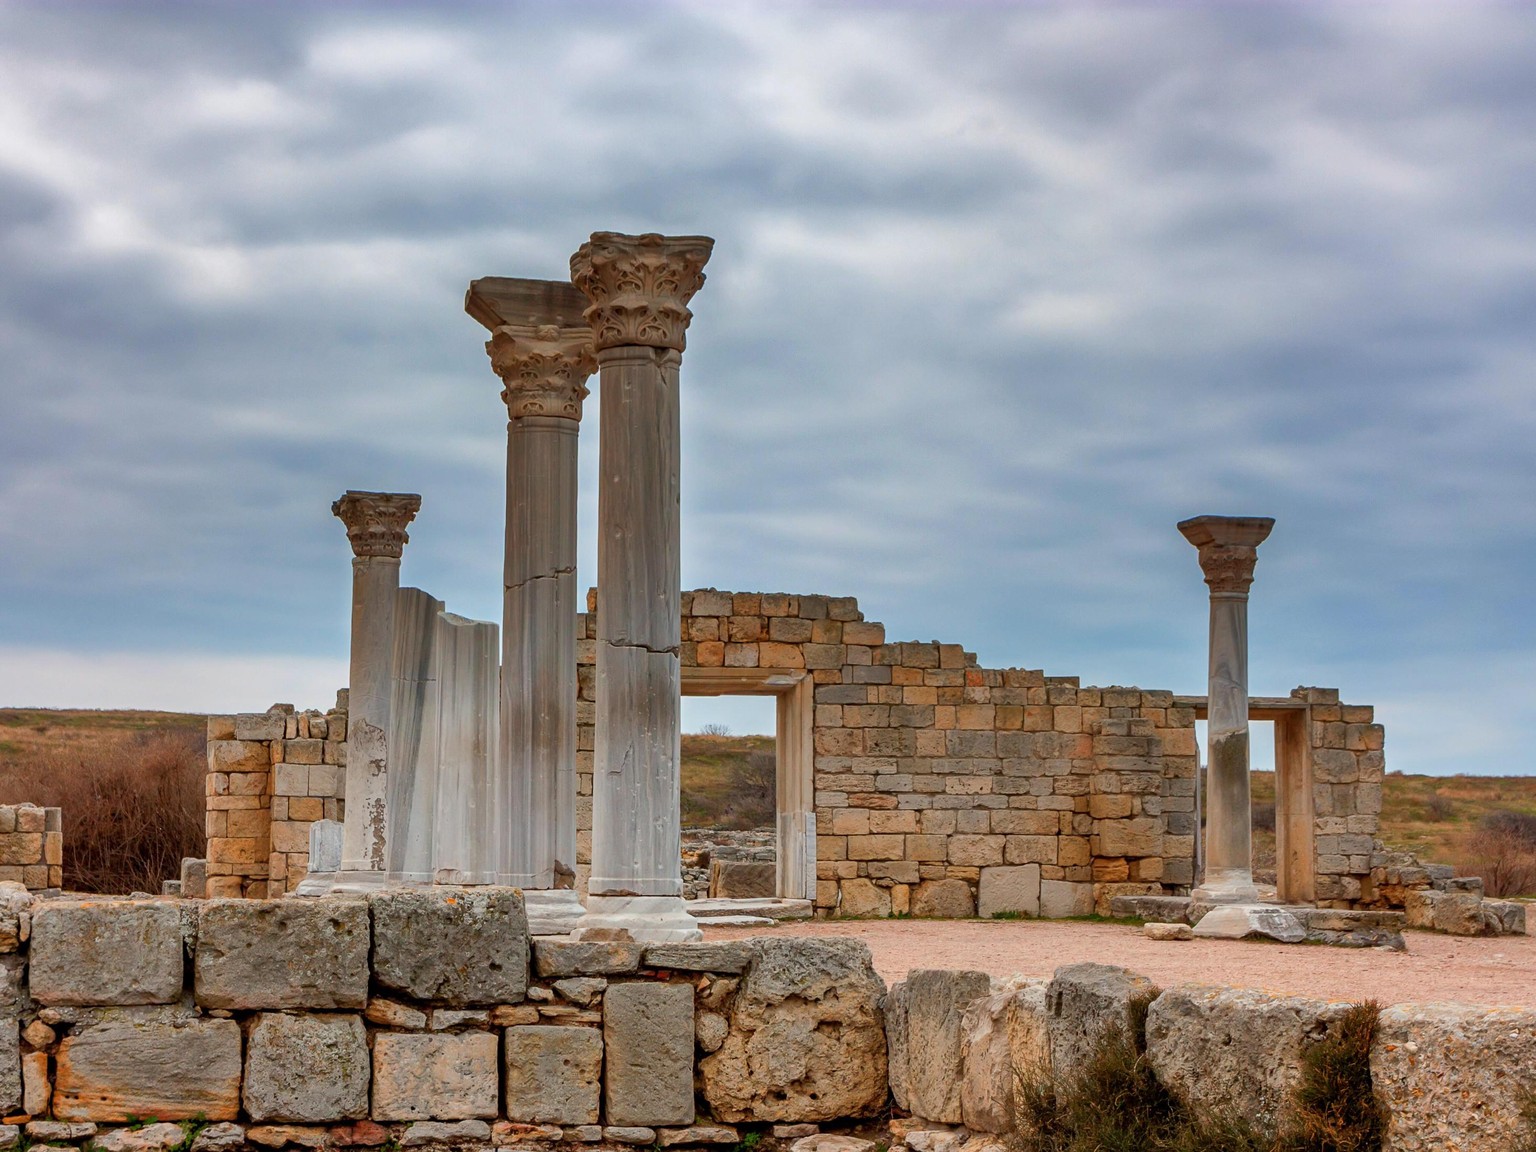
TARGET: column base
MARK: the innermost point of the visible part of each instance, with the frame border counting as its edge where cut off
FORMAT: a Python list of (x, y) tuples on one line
[(552, 911), (648, 919), (359, 882), (1227, 886)]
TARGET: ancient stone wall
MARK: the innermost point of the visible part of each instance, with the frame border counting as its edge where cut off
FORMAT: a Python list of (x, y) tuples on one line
[(270, 776), (31, 846)]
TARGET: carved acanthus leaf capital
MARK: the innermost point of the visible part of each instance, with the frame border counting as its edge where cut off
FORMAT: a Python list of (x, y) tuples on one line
[(544, 368), (1229, 548), (376, 521), (640, 286)]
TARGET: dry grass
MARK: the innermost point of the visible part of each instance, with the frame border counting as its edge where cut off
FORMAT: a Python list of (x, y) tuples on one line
[(130, 786), (728, 781)]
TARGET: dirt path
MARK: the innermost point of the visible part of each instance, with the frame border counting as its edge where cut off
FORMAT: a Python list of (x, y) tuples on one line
[(1483, 971)]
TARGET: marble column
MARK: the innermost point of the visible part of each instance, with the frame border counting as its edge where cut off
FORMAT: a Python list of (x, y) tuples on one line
[(376, 523), (544, 367), (1228, 550), (639, 288)]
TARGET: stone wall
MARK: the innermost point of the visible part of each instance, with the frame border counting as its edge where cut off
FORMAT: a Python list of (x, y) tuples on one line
[(270, 776), (31, 846), (353, 1021), (428, 1017), (941, 788)]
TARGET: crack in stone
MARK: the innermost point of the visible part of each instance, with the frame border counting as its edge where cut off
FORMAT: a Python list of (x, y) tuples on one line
[(553, 575), (642, 648)]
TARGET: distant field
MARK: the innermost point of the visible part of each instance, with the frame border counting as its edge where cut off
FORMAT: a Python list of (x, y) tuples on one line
[(27, 733)]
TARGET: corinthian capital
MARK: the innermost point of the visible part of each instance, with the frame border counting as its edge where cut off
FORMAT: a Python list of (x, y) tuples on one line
[(1229, 548), (640, 286), (544, 368), (376, 521)]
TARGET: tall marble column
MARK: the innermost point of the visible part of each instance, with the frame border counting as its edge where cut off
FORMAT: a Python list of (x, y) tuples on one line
[(1228, 550), (639, 288), (544, 368), (376, 523)]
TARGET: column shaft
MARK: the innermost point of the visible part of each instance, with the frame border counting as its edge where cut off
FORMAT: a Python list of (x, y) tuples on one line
[(1229, 823), (636, 824), (375, 583), (538, 680)]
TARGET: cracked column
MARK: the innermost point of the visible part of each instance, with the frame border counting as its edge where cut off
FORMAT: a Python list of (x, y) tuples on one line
[(639, 288), (1228, 549), (541, 348), (376, 524)]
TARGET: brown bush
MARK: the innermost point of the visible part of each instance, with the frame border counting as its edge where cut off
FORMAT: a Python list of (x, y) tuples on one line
[(132, 809), (1502, 850)]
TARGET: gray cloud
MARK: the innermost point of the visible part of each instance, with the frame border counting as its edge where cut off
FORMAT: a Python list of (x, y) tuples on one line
[(999, 295)]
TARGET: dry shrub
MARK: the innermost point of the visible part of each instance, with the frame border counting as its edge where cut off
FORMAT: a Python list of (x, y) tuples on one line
[(131, 810), (1264, 817), (1438, 808), (1502, 850)]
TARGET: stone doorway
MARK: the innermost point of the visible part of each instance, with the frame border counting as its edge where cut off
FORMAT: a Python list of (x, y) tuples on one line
[(795, 819)]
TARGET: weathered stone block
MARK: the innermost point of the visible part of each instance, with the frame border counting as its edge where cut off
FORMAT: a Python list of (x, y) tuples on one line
[(467, 946), (742, 879), (552, 957), (1453, 1076), (310, 1069), (943, 900), (1235, 1051), (935, 1003), (106, 952), (807, 1041), (122, 1069), (715, 956), (553, 1075), (1063, 898), (434, 1076), (1013, 890), (1003, 1040), (648, 1036), (1087, 1004), (283, 954)]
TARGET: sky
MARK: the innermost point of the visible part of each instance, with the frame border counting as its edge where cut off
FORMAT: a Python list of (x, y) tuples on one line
[(1000, 293)]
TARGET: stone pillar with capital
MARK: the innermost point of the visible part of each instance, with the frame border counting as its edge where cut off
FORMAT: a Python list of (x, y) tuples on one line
[(541, 348), (1228, 550), (376, 523), (638, 288)]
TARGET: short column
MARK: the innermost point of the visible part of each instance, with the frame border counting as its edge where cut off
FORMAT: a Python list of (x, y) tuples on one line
[(544, 368), (376, 523), (1228, 550), (639, 288)]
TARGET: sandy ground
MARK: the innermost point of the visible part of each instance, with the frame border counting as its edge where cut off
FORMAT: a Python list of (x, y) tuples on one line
[(1501, 970)]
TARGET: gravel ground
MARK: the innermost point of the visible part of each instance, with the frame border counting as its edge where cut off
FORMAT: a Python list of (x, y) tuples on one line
[(1501, 970)]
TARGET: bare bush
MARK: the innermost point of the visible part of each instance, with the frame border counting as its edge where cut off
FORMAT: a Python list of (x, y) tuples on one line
[(1502, 850), (1264, 817), (1438, 808), (131, 810), (714, 730)]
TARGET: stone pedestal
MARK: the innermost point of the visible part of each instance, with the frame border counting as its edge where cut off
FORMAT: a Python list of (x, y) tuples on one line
[(1228, 550), (376, 523), (541, 348), (639, 288)]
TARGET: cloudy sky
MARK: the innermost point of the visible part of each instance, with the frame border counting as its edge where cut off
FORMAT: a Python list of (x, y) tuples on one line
[(999, 294)]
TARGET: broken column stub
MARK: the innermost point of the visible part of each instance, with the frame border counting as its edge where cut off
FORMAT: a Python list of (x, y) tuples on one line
[(376, 523), (638, 288), (1228, 550), (541, 348), (460, 947)]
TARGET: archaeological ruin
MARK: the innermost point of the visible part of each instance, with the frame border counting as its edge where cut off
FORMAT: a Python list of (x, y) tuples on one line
[(452, 909)]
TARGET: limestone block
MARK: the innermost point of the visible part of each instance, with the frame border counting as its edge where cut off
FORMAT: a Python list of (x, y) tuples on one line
[(553, 1075), (194, 878), (283, 954), (861, 897), (459, 946), (260, 726), (311, 1069), (553, 957), (1088, 1003), (1452, 1076), (1157, 930), (151, 1138), (807, 1040), (106, 952), (1235, 1051), (742, 880), (713, 956), (896, 1044), (220, 1138), (1250, 921), (1062, 898), (125, 1068), (1003, 1038), (430, 1133), (648, 1037), (434, 1076), (1009, 890), (936, 1001), (943, 900)]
